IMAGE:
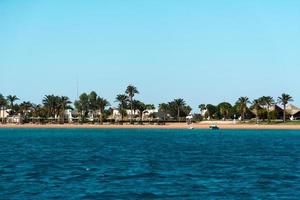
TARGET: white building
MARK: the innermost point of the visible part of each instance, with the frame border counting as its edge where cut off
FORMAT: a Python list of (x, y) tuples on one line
[(146, 114), (10, 119), (149, 113), (293, 112), (16, 119), (4, 113)]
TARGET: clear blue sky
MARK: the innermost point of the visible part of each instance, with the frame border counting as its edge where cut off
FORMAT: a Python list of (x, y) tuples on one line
[(202, 51)]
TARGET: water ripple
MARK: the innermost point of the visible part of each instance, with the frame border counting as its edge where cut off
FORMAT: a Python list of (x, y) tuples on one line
[(149, 164)]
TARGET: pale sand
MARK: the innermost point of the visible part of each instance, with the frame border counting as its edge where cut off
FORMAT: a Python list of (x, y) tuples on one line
[(202, 125)]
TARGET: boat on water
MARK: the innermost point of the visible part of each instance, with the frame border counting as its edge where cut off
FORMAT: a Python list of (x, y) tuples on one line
[(214, 127)]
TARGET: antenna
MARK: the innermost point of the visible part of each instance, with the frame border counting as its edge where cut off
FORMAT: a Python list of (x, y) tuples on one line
[(77, 88)]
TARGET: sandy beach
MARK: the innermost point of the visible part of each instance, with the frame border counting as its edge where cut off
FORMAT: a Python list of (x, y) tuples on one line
[(202, 125)]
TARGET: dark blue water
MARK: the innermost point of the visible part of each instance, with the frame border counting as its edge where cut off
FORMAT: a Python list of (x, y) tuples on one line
[(149, 164)]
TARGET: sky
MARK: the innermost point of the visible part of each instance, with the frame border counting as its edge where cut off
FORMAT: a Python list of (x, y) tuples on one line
[(202, 51)]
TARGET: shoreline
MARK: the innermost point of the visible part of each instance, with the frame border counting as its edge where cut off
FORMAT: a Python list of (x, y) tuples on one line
[(166, 126)]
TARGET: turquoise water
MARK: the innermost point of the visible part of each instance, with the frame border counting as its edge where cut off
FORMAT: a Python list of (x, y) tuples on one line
[(149, 164)]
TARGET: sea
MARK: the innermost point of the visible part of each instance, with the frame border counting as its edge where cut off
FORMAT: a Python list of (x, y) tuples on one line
[(149, 164)]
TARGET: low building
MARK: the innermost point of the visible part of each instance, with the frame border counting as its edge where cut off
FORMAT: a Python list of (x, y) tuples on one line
[(293, 112), (146, 115), (277, 112), (71, 115), (150, 114), (10, 119), (16, 119), (4, 113)]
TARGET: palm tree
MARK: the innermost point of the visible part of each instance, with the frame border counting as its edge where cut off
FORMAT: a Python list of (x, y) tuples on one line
[(256, 105), (64, 103), (150, 106), (25, 108), (52, 104), (131, 91), (102, 104), (164, 107), (93, 104), (202, 107), (122, 100), (224, 109), (39, 112), (242, 104), (11, 99), (179, 104), (82, 105), (211, 111), (141, 107), (3, 103), (267, 101), (284, 99)]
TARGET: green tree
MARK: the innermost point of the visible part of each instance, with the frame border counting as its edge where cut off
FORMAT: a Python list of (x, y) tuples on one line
[(93, 104), (39, 112), (202, 107), (122, 101), (268, 102), (256, 106), (284, 99), (150, 106), (3, 104), (211, 111), (224, 109), (25, 110), (242, 105), (179, 105), (64, 103), (52, 104), (164, 108), (11, 99), (141, 107), (131, 91), (102, 104), (135, 104), (82, 105)]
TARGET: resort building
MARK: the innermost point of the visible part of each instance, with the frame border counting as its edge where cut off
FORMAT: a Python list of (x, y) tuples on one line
[(70, 115), (293, 112), (4, 113), (277, 112), (15, 119), (116, 115), (150, 114), (146, 115)]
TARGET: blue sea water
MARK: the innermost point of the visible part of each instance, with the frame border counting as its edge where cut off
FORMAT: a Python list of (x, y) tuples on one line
[(149, 164)]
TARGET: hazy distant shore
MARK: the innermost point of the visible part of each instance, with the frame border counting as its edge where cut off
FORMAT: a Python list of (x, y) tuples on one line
[(166, 126)]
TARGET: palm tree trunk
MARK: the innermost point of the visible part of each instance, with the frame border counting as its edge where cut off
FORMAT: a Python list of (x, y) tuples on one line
[(268, 110), (284, 113), (3, 121), (243, 114), (141, 117), (131, 110), (178, 113), (101, 117), (2, 115), (63, 117)]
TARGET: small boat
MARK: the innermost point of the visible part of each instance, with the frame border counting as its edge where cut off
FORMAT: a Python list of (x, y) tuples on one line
[(214, 127), (191, 128)]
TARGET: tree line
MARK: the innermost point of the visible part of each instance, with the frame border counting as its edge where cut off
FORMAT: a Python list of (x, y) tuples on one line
[(99, 108), (244, 108)]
